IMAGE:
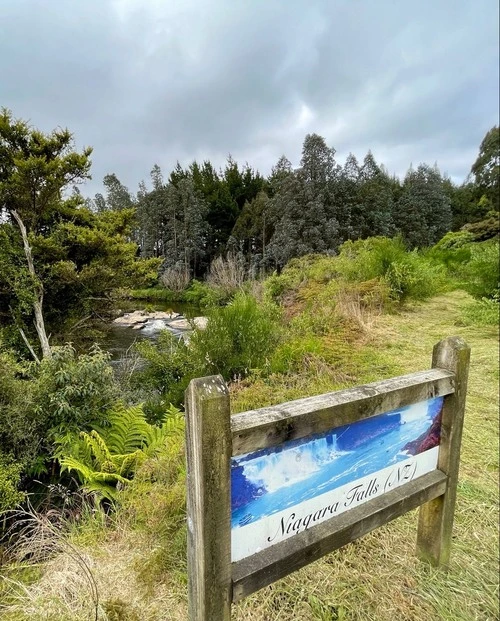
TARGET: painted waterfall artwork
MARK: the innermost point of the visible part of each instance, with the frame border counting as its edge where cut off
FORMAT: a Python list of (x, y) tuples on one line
[(279, 492)]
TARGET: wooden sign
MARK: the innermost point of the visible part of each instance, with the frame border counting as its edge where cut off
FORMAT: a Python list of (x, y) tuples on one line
[(274, 489)]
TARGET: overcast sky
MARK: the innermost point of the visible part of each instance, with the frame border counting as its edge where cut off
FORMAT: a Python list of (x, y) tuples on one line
[(156, 81)]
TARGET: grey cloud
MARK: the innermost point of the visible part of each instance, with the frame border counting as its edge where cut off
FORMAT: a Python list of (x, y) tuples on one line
[(161, 81)]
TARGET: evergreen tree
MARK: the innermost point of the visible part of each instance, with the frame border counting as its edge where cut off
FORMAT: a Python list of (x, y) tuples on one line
[(423, 212), (351, 221), (486, 168), (375, 200), (254, 227), (117, 195), (186, 230)]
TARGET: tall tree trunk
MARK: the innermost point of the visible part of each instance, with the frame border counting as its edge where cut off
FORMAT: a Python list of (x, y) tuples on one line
[(38, 302)]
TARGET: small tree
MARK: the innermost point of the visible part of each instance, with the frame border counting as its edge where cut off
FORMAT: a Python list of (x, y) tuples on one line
[(35, 169)]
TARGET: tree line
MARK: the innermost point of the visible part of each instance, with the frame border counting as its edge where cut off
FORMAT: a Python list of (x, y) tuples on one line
[(198, 213), (62, 255)]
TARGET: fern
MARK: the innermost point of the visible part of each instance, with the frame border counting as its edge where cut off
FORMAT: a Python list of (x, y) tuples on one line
[(109, 457)]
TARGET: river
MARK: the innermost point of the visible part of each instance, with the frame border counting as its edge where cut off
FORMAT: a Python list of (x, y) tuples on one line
[(117, 339)]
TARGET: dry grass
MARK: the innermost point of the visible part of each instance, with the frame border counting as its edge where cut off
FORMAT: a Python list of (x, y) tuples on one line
[(228, 274), (376, 578)]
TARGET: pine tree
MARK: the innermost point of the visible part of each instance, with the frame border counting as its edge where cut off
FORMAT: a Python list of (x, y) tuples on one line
[(423, 213), (117, 195), (375, 199)]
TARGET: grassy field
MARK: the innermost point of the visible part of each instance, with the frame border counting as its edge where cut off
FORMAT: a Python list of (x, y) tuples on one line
[(138, 562)]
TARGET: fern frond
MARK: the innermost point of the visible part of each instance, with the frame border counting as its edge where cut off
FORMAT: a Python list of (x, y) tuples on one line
[(128, 429), (70, 464)]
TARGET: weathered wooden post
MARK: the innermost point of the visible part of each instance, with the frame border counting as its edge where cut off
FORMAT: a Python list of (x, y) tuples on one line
[(208, 448), (436, 517)]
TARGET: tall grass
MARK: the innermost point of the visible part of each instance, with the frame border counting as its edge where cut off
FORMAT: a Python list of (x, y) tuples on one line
[(238, 338)]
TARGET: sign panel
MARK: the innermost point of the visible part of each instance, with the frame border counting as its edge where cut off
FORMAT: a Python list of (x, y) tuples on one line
[(279, 492)]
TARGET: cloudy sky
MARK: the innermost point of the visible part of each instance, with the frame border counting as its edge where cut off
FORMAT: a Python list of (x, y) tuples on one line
[(145, 81)]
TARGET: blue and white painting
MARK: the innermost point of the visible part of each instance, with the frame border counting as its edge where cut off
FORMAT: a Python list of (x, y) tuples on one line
[(293, 475)]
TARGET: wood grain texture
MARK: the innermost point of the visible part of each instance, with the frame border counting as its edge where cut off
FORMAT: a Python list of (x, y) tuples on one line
[(208, 448), (271, 426), (435, 522), (260, 570)]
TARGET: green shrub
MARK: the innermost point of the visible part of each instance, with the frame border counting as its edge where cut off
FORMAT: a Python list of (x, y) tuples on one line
[(488, 228), (453, 251), (481, 273), (370, 258), (238, 338), (277, 285), (10, 474), (18, 435), (318, 268), (73, 392), (408, 274), (169, 368), (203, 294)]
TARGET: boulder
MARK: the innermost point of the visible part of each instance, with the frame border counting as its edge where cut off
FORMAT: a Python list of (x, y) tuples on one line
[(200, 322), (179, 324)]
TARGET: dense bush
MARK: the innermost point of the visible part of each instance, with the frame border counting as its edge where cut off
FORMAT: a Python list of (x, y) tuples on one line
[(17, 427), (408, 274), (452, 251), (73, 392), (202, 294), (238, 338), (10, 474), (169, 368), (39, 403), (481, 273)]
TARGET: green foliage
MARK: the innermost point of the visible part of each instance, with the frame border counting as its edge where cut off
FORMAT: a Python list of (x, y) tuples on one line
[(203, 294), (454, 240), (79, 257), (408, 274), (74, 392), (481, 273), (169, 368), (423, 213), (153, 294), (278, 284), (18, 435), (10, 474), (318, 268), (238, 338), (107, 459), (486, 168), (487, 228)]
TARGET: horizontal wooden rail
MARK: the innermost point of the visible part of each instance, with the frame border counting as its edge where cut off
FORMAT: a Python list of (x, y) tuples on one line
[(271, 426), (263, 568)]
